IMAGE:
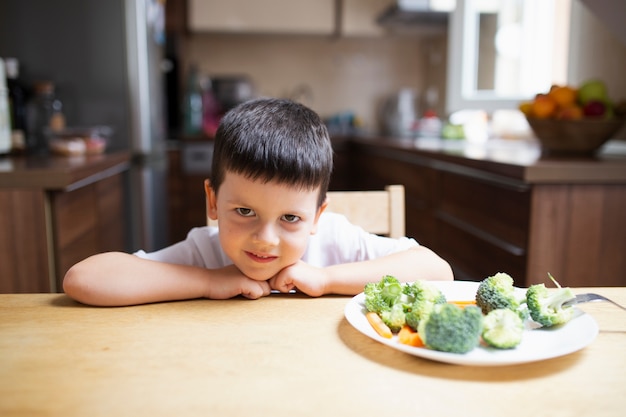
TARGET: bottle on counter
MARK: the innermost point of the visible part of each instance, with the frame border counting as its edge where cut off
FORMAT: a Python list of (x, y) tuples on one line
[(5, 117), (17, 104), (211, 109), (44, 114), (430, 125), (192, 108)]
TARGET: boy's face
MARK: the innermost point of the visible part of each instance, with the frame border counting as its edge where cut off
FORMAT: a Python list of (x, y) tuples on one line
[(264, 227)]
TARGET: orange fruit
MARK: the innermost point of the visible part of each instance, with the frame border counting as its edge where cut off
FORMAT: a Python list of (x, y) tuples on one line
[(573, 112), (526, 107), (563, 96), (543, 107)]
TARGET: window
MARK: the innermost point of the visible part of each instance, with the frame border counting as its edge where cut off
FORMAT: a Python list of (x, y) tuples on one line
[(504, 51)]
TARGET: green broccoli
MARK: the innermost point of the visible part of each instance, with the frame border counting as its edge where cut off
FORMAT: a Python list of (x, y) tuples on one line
[(497, 291), (425, 296), (502, 328), (380, 296), (395, 317), (424, 291), (449, 328), (546, 307)]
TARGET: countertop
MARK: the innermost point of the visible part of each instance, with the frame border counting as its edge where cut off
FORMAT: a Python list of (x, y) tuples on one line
[(59, 172), (516, 159), (282, 355)]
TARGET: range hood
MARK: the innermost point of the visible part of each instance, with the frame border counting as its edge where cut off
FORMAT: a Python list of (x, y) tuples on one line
[(404, 14)]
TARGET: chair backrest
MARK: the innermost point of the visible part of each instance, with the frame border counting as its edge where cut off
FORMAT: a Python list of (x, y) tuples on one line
[(381, 211)]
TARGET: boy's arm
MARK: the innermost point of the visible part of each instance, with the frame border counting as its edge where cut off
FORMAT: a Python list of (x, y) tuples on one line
[(350, 278), (117, 279)]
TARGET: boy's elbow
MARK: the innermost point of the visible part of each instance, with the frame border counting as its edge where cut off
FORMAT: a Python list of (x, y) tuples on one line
[(446, 270), (439, 268), (81, 281), (74, 283)]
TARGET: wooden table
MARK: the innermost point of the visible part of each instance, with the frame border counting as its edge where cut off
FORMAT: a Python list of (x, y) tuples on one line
[(284, 355)]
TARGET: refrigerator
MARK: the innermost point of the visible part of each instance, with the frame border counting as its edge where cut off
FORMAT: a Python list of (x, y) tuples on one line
[(106, 59)]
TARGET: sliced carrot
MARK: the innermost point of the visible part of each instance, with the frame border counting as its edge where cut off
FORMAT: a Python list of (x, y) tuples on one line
[(464, 303), (408, 336), (378, 324)]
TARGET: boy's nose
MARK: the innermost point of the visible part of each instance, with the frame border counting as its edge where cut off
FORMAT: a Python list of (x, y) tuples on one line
[(266, 234)]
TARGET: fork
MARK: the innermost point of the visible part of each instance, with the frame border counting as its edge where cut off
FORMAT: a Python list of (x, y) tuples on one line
[(585, 298)]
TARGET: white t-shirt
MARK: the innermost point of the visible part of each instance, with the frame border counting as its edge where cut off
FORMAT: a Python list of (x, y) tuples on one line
[(337, 241)]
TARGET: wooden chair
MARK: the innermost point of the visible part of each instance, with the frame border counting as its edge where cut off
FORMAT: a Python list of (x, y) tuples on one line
[(380, 211)]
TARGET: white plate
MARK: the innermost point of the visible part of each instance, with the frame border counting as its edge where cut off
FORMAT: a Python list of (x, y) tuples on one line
[(537, 343)]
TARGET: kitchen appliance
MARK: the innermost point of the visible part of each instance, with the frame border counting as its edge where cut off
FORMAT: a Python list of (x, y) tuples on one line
[(407, 14), (105, 57), (232, 90), (399, 114)]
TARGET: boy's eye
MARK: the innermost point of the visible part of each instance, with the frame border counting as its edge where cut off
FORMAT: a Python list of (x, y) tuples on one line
[(245, 212), (291, 218)]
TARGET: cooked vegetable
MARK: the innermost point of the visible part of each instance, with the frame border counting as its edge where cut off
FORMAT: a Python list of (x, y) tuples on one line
[(464, 303), (420, 315), (450, 328), (497, 291), (546, 306), (424, 296), (424, 291), (502, 328), (410, 337), (394, 318), (378, 325), (381, 295)]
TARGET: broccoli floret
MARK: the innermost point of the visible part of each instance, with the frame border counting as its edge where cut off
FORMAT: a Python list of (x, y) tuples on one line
[(425, 296), (424, 291), (394, 318), (417, 312), (381, 295), (546, 307), (497, 291), (502, 328), (449, 328)]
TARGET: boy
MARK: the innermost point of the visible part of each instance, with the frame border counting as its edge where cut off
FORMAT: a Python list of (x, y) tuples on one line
[(267, 189)]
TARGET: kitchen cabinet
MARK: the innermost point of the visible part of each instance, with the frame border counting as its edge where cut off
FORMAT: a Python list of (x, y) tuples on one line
[(55, 212), (185, 188), (262, 16), (358, 17), (525, 216)]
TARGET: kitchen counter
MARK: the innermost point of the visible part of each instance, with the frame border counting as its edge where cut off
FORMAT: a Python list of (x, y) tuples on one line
[(282, 355), (59, 172), (503, 206), (56, 211), (515, 159)]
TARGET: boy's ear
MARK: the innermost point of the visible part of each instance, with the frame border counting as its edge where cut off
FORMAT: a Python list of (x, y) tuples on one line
[(211, 200), (318, 214)]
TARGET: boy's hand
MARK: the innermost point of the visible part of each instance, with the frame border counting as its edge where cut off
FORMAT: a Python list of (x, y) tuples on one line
[(301, 276), (229, 282)]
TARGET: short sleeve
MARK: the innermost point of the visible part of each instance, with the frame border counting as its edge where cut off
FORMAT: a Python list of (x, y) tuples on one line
[(200, 248), (338, 241)]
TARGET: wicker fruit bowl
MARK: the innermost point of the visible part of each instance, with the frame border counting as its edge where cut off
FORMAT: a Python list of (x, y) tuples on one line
[(583, 136)]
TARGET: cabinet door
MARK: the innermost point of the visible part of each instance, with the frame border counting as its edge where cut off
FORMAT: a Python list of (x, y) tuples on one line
[(482, 225), (87, 221), (262, 16), (23, 242), (358, 17)]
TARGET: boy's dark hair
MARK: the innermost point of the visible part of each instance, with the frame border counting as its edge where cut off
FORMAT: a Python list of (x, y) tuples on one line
[(274, 140)]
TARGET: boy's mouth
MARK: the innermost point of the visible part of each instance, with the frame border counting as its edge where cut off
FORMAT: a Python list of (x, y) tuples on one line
[(257, 257)]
